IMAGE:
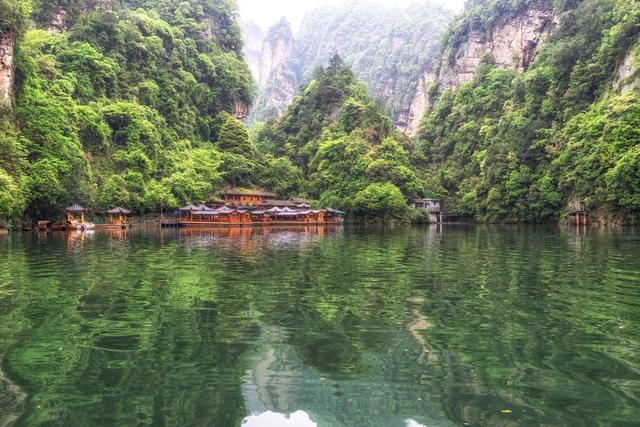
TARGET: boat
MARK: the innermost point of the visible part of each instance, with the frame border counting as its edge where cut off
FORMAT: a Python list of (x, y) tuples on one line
[(118, 219), (86, 226)]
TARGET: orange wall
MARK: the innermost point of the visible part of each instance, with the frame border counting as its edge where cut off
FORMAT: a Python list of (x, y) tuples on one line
[(245, 200)]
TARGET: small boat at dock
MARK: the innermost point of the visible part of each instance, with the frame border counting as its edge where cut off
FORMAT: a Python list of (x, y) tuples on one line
[(118, 220)]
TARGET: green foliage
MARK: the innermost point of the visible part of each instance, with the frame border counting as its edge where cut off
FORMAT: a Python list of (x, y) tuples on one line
[(388, 47), (124, 107), (509, 147), (339, 170), (600, 157), (13, 15), (233, 136), (340, 142), (281, 176), (382, 201)]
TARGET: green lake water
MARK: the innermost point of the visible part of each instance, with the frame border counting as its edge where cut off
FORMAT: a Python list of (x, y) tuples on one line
[(433, 326)]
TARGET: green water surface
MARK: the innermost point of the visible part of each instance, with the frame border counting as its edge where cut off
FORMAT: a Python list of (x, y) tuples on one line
[(437, 326)]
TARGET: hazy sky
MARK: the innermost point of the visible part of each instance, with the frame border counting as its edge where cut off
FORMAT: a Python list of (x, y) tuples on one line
[(267, 12)]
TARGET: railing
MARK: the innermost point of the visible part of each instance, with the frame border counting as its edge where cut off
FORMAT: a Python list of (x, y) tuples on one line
[(187, 220)]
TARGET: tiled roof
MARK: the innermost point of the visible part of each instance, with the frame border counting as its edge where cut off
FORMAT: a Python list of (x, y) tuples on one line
[(75, 208), (279, 203), (119, 210), (192, 207)]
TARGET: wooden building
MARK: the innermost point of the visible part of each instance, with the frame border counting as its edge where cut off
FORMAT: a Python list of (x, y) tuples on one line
[(195, 215), (246, 196), (75, 219), (74, 211), (432, 206), (252, 207)]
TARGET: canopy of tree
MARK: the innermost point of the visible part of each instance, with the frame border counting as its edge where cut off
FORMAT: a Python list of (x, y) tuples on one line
[(124, 103), (341, 142)]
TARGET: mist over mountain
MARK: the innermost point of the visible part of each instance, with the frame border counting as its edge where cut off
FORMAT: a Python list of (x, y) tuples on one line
[(387, 47), (253, 38)]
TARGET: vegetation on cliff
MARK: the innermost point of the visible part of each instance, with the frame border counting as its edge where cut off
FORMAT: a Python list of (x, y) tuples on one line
[(121, 107), (388, 47), (134, 103), (342, 143), (519, 147)]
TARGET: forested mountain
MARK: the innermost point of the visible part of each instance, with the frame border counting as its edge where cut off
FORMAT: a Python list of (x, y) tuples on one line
[(537, 124), (118, 103), (532, 104), (342, 143), (389, 48)]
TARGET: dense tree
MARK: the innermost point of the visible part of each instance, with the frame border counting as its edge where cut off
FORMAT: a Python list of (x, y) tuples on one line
[(124, 107), (381, 201), (233, 136), (520, 147), (388, 47), (342, 142)]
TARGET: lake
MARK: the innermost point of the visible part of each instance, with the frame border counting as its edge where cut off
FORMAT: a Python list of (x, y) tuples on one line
[(408, 327)]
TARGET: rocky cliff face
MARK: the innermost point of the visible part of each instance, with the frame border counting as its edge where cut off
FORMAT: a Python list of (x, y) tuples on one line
[(240, 109), (409, 119), (513, 44), (388, 47), (7, 75), (628, 76), (58, 22), (277, 76), (63, 16), (277, 51)]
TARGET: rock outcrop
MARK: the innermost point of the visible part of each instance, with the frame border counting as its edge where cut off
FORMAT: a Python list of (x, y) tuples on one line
[(409, 119), (58, 22), (277, 52), (240, 109), (513, 44), (277, 77), (388, 47), (7, 75), (628, 75)]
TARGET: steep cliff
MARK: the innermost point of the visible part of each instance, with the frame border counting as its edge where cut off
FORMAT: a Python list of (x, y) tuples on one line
[(542, 110), (389, 48), (627, 78), (392, 49), (409, 118), (510, 39), (512, 43), (277, 74), (118, 102), (7, 75)]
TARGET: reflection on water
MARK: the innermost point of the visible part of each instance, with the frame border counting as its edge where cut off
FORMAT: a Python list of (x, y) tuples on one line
[(321, 326)]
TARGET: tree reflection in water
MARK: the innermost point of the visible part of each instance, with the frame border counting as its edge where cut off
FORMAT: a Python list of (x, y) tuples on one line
[(380, 327)]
